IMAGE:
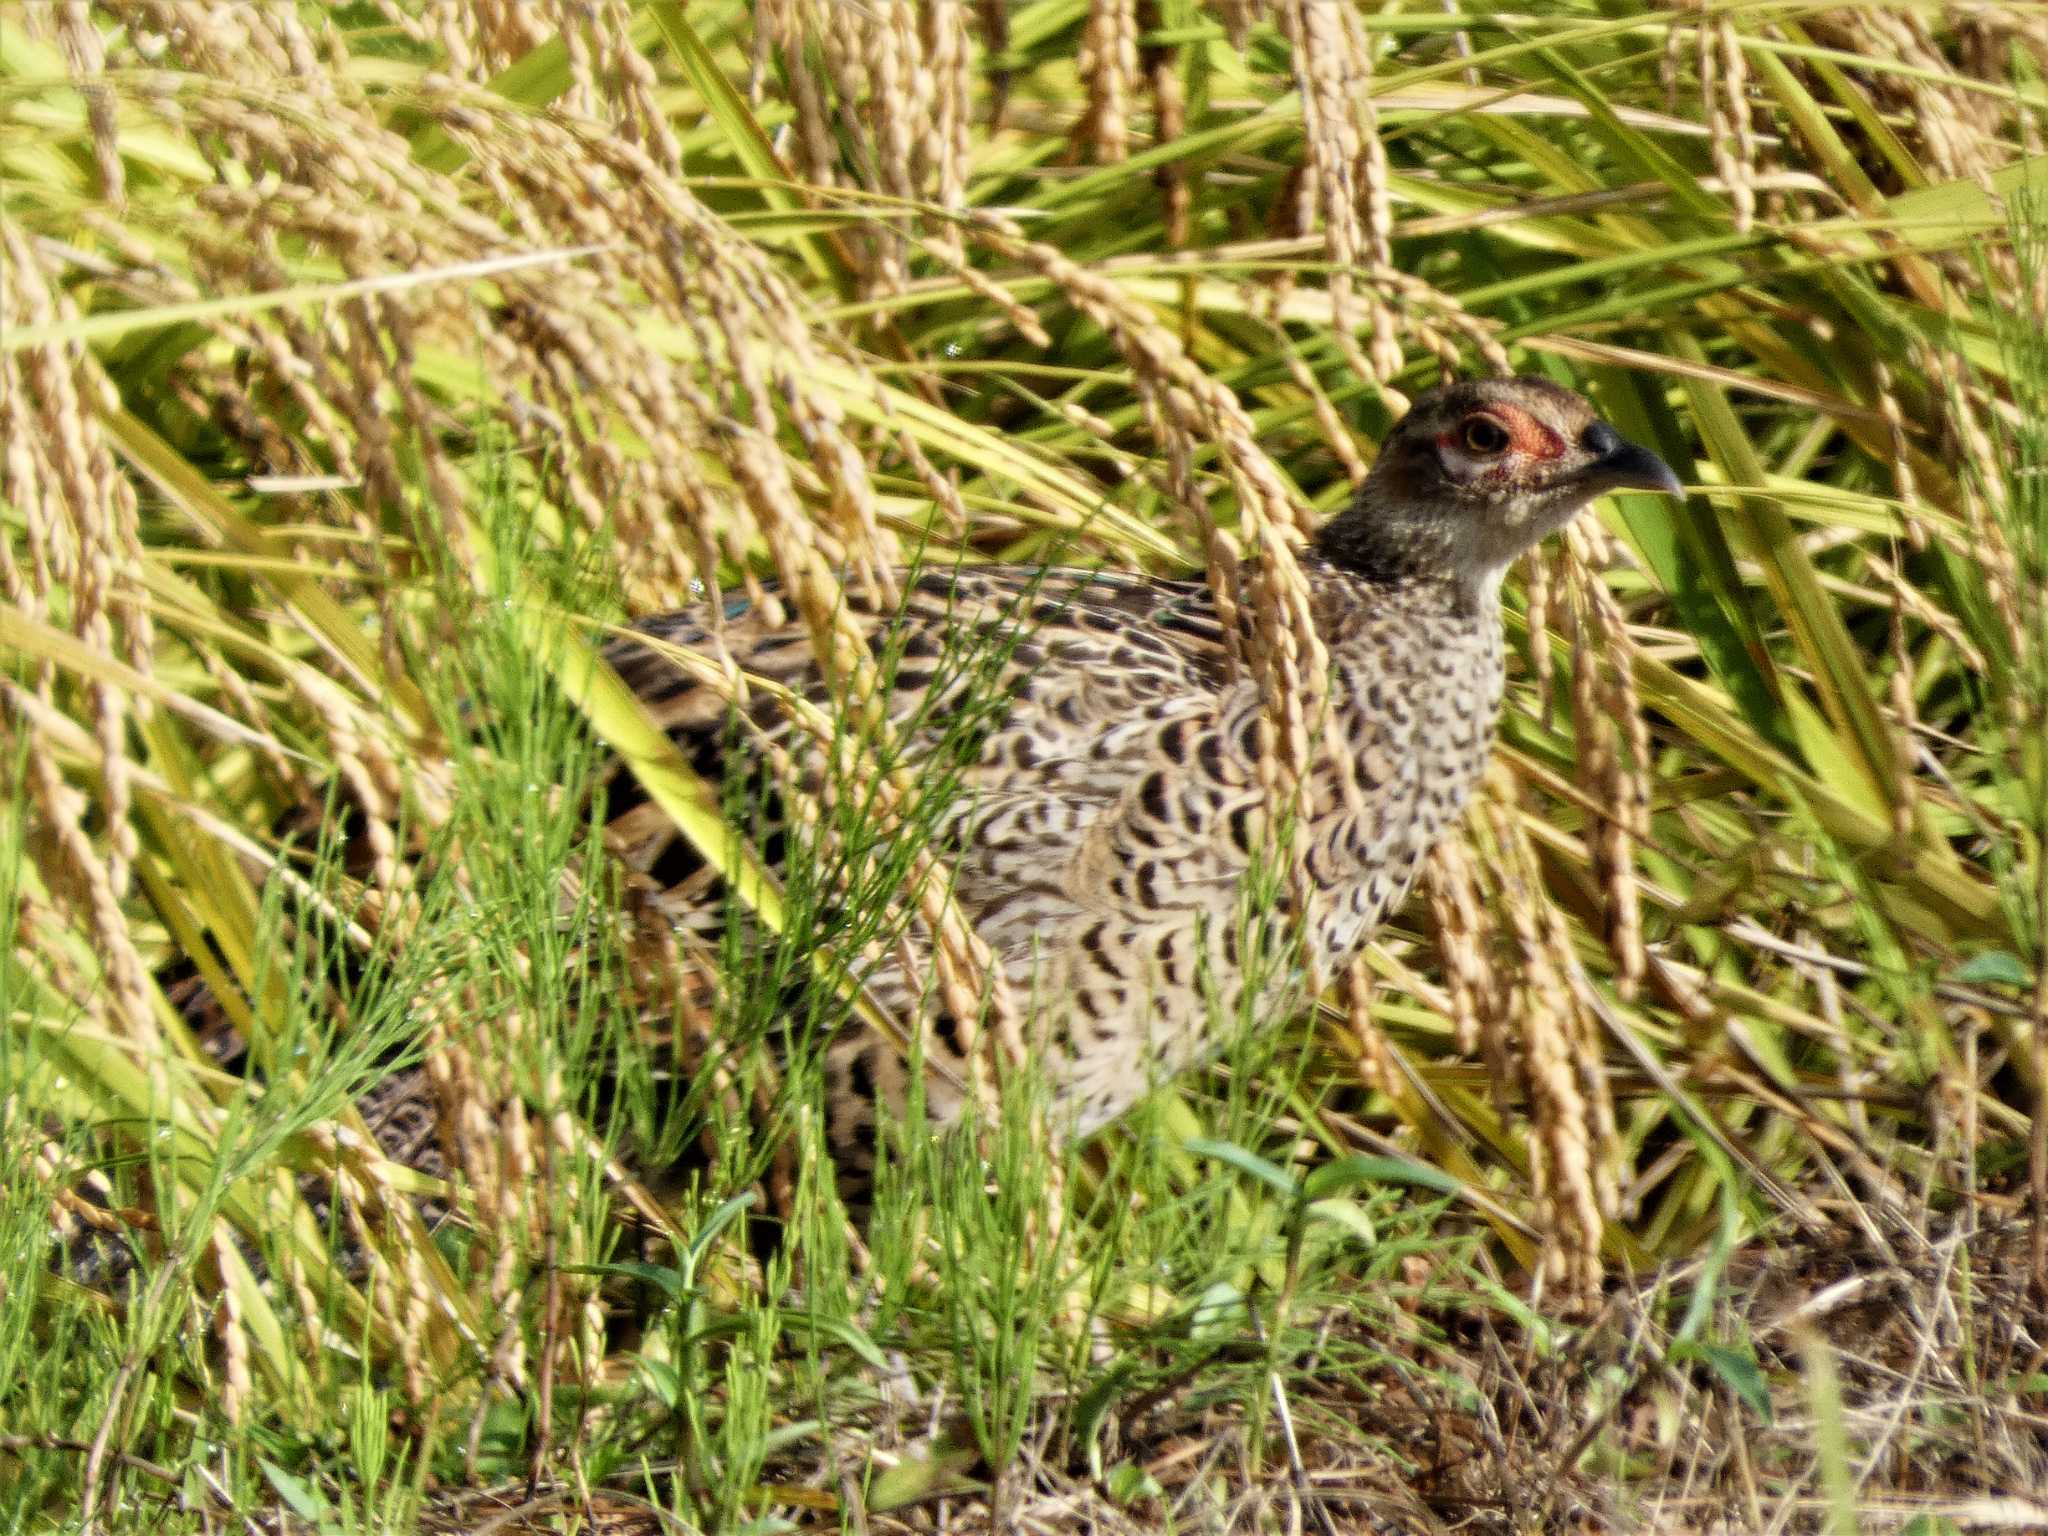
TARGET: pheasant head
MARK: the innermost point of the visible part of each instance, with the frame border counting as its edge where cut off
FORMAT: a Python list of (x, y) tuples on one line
[(1476, 473)]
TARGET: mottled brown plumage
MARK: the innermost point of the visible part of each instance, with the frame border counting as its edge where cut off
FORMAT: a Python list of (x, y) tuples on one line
[(1111, 807)]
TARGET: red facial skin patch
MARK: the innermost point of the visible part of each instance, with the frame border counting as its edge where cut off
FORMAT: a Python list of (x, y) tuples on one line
[(1530, 436), (1526, 435)]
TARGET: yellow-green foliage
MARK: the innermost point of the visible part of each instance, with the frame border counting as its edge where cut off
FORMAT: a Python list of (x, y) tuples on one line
[(360, 362)]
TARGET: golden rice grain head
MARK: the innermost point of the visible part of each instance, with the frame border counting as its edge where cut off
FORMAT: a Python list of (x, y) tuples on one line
[(1373, 1053), (236, 1382), (1541, 575), (1464, 937), (1239, 17), (1162, 65), (1612, 758), (1549, 1035), (1108, 66), (1724, 82)]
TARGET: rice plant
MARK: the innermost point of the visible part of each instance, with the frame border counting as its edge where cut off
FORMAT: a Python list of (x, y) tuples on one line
[(1675, 1162)]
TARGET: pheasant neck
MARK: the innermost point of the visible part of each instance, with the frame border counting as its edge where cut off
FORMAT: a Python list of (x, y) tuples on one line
[(1396, 547)]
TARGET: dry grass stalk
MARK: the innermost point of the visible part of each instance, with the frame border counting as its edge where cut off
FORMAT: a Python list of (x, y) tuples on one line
[(782, 24), (1902, 792), (1905, 482), (1958, 129), (1613, 757), (948, 64), (384, 1292), (1951, 129), (1540, 577), (1983, 499), (895, 105), (564, 344), (1724, 88), (1547, 1056), (86, 53), (367, 762), (1239, 17), (79, 515), (1464, 938), (896, 86), (1344, 182), (1416, 298), (1108, 66), (559, 343), (1373, 1058), (236, 1384), (1162, 65), (1336, 433), (1019, 316), (57, 1170), (619, 80)]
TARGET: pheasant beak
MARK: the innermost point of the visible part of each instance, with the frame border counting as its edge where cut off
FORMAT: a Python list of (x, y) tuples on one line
[(1620, 465)]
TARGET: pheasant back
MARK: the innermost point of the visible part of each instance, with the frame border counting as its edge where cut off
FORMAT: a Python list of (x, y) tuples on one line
[(1104, 816)]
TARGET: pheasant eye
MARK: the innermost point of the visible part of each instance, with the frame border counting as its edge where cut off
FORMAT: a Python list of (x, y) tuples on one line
[(1485, 435)]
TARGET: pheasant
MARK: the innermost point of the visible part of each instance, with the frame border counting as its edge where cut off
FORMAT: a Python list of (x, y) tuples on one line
[(1110, 809), (1109, 813)]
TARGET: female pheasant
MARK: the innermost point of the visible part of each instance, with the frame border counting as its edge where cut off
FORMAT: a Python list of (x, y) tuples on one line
[(1109, 811)]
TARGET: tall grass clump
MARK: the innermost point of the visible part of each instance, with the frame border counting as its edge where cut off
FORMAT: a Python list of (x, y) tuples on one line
[(376, 1157)]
